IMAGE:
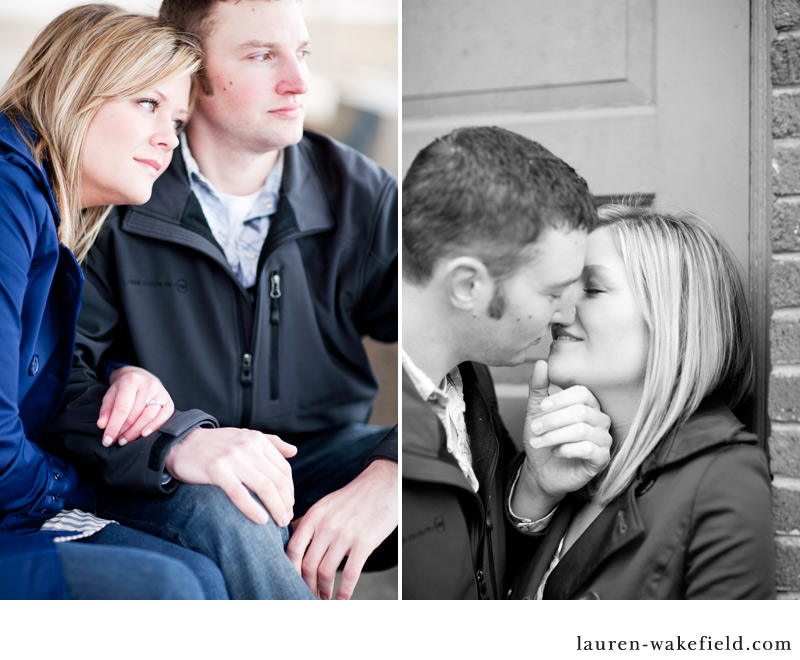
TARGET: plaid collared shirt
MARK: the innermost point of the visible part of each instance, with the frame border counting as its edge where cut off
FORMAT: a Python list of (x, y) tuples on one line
[(239, 222), (447, 401)]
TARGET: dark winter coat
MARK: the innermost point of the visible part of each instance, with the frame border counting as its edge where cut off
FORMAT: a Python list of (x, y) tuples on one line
[(457, 544), (696, 524), (289, 360)]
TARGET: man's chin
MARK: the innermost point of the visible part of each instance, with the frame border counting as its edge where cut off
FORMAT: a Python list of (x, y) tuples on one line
[(508, 361)]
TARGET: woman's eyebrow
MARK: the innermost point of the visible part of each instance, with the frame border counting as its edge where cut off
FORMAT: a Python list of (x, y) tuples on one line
[(599, 269)]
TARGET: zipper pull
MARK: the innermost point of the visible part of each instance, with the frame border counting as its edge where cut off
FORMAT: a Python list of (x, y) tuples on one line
[(481, 583), (275, 295), (247, 369)]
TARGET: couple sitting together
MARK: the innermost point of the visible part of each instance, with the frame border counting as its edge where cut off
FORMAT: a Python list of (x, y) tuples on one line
[(635, 479), (207, 436)]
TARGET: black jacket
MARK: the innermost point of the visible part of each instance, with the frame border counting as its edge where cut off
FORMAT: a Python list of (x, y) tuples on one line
[(457, 544), (695, 524), (159, 294)]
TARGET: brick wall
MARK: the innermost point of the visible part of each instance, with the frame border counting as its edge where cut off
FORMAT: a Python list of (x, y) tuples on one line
[(784, 381)]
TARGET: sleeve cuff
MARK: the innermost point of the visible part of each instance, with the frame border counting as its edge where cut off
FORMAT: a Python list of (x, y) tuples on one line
[(386, 448), (172, 431), (526, 525)]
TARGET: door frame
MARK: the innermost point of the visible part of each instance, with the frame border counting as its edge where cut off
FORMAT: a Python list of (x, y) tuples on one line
[(760, 206)]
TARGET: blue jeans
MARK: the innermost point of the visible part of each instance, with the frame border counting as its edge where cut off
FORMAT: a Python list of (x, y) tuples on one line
[(329, 461), (252, 557), (202, 518), (119, 563)]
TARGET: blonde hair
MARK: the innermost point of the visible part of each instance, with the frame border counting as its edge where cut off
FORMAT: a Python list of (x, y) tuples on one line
[(86, 56), (689, 288)]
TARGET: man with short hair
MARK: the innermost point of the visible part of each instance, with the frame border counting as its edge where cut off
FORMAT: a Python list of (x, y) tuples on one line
[(494, 237), (246, 284)]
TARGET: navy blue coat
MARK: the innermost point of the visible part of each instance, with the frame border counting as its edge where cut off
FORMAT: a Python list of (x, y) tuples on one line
[(40, 294)]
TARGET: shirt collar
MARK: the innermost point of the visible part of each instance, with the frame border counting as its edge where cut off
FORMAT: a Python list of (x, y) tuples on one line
[(270, 190), (425, 386)]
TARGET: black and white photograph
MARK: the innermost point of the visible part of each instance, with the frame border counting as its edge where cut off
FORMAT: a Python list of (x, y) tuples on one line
[(599, 333)]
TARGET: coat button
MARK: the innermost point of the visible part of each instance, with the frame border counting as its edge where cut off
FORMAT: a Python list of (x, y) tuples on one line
[(621, 524), (57, 476), (33, 369)]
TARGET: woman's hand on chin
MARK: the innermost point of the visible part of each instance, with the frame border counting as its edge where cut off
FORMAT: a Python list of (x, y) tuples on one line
[(566, 437)]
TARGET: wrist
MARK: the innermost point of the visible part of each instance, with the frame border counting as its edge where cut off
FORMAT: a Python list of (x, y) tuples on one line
[(174, 452), (529, 499), (381, 470)]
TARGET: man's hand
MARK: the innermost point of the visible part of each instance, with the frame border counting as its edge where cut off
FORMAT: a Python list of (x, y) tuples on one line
[(350, 522), (567, 443), (125, 413), (237, 460)]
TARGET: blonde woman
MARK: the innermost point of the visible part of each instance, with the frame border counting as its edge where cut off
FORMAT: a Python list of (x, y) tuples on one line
[(661, 337), (89, 119)]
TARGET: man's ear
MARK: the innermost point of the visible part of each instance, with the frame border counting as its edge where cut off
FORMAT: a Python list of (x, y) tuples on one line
[(469, 285)]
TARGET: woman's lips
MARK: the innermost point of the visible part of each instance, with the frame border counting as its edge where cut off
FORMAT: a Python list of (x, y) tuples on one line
[(560, 335), (153, 165)]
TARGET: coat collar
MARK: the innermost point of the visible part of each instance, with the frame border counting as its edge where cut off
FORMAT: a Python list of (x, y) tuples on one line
[(425, 455), (12, 138), (712, 425), (618, 525), (305, 193)]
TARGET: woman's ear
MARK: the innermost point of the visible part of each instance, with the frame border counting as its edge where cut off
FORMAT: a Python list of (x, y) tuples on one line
[(469, 285)]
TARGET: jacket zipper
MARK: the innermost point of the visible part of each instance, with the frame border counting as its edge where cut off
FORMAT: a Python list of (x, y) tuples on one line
[(275, 321), (484, 544), (482, 526), (488, 526), (245, 367)]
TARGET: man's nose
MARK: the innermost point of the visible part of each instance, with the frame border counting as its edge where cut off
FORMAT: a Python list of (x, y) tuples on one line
[(565, 312), (294, 78)]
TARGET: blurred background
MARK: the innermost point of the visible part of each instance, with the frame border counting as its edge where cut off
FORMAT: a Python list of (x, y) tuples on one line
[(353, 97)]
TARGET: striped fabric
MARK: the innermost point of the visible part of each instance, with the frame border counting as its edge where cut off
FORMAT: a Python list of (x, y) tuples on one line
[(75, 524)]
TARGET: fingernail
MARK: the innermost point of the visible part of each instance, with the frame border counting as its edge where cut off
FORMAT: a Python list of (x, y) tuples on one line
[(122, 442), (324, 597), (537, 427), (146, 432), (547, 404), (107, 441)]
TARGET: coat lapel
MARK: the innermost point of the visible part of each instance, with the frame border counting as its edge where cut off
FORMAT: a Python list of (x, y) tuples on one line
[(482, 435), (527, 584), (617, 526)]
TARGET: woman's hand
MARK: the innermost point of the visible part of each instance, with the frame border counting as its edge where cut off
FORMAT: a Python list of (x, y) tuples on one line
[(567, 443), (136, 404)]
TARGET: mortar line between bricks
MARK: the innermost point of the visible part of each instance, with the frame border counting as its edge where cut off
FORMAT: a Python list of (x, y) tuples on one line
[(786, 314), (785, 427), (786, 142), (786, 256), (787, 198), (786, 370), (789, 483), (783, 35), (785, 90)]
